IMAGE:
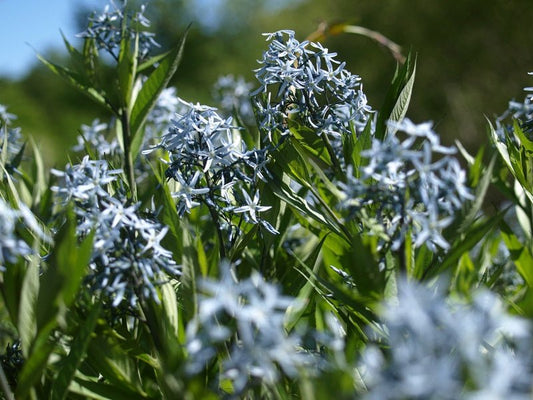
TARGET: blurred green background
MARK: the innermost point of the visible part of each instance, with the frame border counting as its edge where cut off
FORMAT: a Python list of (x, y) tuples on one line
[(473, 57)]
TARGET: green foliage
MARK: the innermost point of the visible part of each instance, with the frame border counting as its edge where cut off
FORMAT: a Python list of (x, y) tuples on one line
[(151, 90), (306, 262), (398, 96)]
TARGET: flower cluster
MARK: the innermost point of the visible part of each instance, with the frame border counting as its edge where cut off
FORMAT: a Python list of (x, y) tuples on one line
[(304, 81), (5, 117), (159, 119), (212, 166), (247, 317), (233, 96), (12, 247), (107, 30), (85, 184), (10, 139), (94, 137), (403, 188), (127, 261), (522, 112), (449, 350)]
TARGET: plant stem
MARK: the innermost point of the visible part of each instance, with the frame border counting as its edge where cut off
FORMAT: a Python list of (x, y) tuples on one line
[(402, 253), (214, 217), (332, 154), (128, 158), (221, 246)]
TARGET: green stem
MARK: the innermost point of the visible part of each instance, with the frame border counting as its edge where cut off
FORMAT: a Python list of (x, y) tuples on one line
[(332, 154), (216, 221), (128, 158), (221, 246), (402, 252)]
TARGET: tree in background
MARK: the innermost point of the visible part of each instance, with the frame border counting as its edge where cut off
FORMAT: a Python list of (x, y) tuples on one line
[(470, 56)]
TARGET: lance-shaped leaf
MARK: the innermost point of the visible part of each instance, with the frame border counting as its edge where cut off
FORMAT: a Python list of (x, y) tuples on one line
[(76, 355), (150, 91), (462, 244), (77, 80), (127, 65), (62, 279), (398, 96)]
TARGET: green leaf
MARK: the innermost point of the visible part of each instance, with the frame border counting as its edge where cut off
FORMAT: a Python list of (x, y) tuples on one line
[(152, 61), (297, 309), (299, 204), (59, 285), (26, 323), (189, 267), (397, 97), (501, 147), (242, 241), (62, 279), (363, 142), (107, 357), (40, 185), (409, 254), (358, 259), (12, 193), (79, 83), (77, 352), (292, 162), (77, 58), (480, 192), (34, 365), (524, 140), (127, 66), (4, 152), (520, 254), (202, 258), (101, 391), (357, 305), (423, 258), (463, 244), (169, 304), (402, 102), (466, 274), (150, 91), (11, 286), (522, 216), (310, 145)]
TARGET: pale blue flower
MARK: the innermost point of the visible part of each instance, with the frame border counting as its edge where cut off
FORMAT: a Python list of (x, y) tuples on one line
[(412, 185), (84, 182), (213, 167), (293, 81), (106, 29), (233, 95), (12, 246), (246, 317), (252, 207), (11, 141), (188, 192), (5, 117), (93, 136), (447, 349), (128, 261)]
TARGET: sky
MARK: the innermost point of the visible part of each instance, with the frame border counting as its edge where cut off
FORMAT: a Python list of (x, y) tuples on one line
[(30, 26)]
